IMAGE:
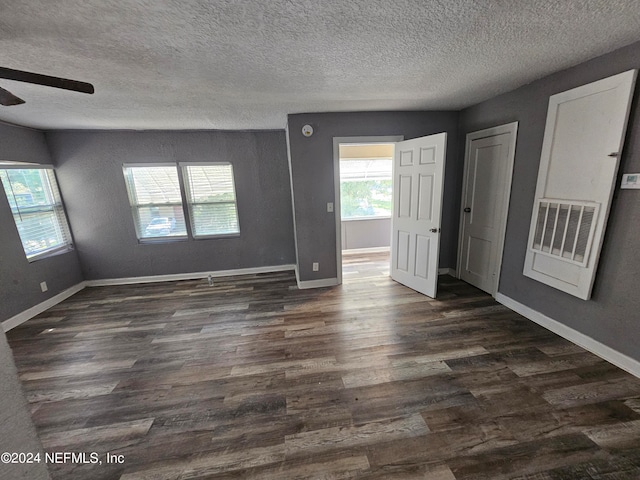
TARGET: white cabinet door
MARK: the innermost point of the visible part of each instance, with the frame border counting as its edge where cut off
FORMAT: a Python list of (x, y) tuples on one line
[(583, 140), (418, 177)]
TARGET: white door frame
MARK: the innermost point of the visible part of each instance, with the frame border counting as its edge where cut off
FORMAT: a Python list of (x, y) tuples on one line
[(336, 185), (511, 128)]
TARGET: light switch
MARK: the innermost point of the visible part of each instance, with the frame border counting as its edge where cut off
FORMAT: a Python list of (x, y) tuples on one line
[(630, 180), (330, 207)]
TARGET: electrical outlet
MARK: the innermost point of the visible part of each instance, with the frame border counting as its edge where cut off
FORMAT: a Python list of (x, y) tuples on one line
[(330, 207), (43, 286), (316, 266)]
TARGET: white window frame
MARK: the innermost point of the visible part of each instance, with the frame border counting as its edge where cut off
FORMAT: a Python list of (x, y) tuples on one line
[(56, 206), (133, 202), (190, 204)]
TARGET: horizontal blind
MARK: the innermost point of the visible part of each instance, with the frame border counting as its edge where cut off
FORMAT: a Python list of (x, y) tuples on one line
[(37, 210), (156, 201), (212, 199)]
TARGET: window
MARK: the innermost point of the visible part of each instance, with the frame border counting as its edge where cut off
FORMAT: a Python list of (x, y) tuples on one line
[(365, 188), (156, 193), (211, 197), (37, 210), (156, 201)]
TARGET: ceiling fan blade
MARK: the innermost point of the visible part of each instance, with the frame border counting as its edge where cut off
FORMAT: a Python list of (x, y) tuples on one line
[(56, 82), (7, 98)]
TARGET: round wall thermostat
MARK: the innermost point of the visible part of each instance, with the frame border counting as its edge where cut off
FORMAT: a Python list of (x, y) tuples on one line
[(307, 130)]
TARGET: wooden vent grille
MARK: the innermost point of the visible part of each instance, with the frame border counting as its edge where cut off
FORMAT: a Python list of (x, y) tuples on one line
[(565, 229)]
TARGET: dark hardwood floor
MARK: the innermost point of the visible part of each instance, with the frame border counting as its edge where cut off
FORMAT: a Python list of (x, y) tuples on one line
[(253, 378)]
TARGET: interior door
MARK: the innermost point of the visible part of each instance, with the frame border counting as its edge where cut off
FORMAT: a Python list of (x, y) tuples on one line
[(581, 149), (488, 167), (418, 176)]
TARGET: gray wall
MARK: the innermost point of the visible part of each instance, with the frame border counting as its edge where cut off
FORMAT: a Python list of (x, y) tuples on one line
[(89, 168), (18, 432), (19, 279), (611, 316), (313, 183), (374, 232), (20, 290)]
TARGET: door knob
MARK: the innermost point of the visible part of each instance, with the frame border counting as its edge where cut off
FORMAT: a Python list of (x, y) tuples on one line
[(434, 230), (467, 210)]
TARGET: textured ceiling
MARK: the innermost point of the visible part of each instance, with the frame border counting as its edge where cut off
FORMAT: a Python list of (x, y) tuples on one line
[(234, 64)]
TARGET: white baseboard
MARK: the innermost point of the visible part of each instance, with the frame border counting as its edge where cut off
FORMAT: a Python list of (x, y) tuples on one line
[(324, 282), (41, 307), (607, 353), (447, 271), (187, 276), (355, 251)]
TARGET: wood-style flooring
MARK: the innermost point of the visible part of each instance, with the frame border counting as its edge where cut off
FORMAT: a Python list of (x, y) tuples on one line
[(254, 379)]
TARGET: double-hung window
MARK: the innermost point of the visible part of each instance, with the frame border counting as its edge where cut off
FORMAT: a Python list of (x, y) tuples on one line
[(37, 209), (156, 201), (211, 197), (158, 192)]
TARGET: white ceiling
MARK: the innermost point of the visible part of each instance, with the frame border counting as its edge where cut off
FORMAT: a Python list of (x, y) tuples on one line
[(234, 64)]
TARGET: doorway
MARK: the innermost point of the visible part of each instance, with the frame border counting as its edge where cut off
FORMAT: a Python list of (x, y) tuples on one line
[(363, 195), (415, 206)]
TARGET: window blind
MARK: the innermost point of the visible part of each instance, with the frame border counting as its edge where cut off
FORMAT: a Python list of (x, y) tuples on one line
[(37, 210), (156, 201), (211, 199)]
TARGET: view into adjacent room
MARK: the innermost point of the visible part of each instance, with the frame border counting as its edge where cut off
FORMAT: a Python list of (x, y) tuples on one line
[(366, 198), (366, 195)]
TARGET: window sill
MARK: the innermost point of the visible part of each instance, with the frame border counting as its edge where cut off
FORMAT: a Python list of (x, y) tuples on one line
[(50, 253), (161, 240), (212, 237), (359, 219)]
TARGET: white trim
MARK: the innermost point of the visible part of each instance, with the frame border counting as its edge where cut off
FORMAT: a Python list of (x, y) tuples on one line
[(323, 282), (41, 307), (603, 351), (293, 201), (25, 166), (150, 164), (202, 164), (356, 251), (447, 271), (511, 128), (187, 276), (336, 185), (361, 219)]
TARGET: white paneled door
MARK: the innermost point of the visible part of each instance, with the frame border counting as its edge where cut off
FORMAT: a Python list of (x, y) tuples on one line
[(418, 177), (581, 151), (488, 167)]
